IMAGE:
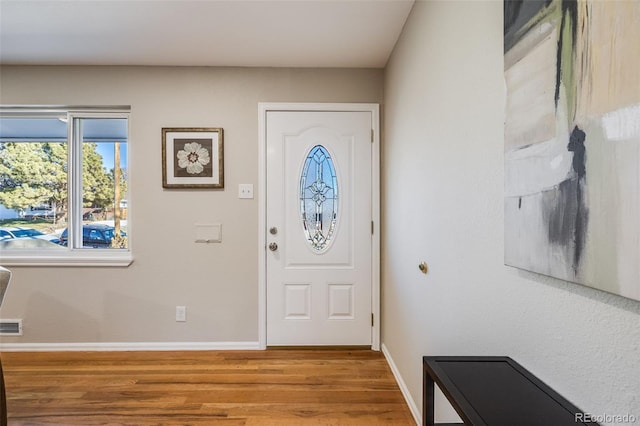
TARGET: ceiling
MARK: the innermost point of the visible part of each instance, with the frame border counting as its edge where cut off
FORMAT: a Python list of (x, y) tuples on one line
[(263, 33)]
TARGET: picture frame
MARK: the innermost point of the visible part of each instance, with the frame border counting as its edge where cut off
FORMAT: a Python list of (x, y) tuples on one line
[(192, 157)]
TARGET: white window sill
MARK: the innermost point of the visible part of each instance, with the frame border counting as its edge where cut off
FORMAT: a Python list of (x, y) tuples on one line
[(93, 257)]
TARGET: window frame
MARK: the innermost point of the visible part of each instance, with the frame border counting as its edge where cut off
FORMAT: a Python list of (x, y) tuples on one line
[(75, 254)]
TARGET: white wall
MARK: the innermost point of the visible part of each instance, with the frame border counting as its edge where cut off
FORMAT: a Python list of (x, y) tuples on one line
[(218, 283), (442, 203)]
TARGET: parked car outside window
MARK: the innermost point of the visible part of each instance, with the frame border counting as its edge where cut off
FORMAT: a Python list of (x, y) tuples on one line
[(18, 232), (94, 235)]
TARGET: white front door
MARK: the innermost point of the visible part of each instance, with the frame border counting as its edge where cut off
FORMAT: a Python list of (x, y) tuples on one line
[(319, 211)]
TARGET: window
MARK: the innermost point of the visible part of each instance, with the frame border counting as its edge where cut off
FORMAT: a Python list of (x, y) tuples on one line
[(64, 186), (319, 198)]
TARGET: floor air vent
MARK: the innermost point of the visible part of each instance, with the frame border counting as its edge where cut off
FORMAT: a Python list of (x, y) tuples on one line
[(11, 327)]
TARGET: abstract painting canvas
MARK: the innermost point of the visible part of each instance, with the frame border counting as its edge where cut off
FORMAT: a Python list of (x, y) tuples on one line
[(572, 141)]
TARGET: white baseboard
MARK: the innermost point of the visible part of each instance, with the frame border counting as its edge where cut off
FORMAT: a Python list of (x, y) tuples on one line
[(128, 346), (415, 411)]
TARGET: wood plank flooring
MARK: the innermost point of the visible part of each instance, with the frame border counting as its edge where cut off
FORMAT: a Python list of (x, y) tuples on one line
[(273, 387)]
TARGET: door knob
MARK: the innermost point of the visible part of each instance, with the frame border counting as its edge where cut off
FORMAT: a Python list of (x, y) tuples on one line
[(273, 247), (273, 231)]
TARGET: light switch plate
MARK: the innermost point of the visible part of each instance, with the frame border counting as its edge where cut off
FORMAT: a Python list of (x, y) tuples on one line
[(245, 190)]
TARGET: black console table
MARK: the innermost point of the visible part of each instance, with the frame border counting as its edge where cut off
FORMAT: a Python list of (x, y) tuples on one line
[(495, 391)]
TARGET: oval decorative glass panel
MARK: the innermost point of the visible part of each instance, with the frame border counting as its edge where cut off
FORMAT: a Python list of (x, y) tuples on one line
[(319, 198)]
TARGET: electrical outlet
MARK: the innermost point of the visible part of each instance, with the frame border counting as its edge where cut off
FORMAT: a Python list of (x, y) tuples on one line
[(181, 313)]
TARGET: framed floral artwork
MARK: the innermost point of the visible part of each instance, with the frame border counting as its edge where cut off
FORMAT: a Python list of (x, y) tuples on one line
[(192, 158)]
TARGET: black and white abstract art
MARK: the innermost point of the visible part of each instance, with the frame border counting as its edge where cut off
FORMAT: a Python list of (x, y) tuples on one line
[(572, 141)]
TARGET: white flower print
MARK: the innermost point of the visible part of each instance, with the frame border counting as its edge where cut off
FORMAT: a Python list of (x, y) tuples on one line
[(193, 157)]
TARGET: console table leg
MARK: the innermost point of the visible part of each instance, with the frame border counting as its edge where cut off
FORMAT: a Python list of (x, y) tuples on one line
[(428, 403)]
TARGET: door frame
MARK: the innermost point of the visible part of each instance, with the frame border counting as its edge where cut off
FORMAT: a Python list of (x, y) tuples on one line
[(263, 109)]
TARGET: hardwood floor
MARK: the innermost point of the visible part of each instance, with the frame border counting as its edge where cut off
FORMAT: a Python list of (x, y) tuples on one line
[(273, 387)]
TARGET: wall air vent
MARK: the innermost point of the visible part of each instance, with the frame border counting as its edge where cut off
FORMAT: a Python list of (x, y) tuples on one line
[(11, 327)]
